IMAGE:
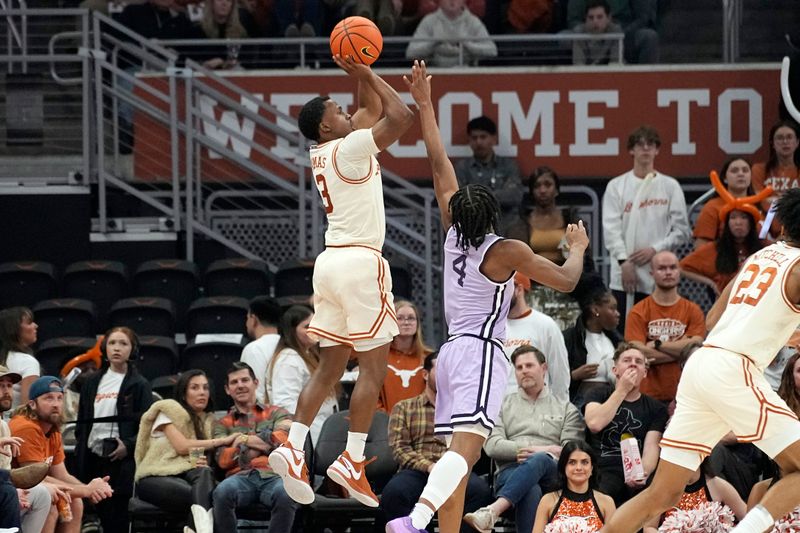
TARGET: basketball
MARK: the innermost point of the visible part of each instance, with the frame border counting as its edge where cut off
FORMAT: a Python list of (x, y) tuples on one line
[(358, 37)]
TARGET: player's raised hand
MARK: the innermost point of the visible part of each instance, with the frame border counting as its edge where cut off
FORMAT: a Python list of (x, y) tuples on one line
[(354, 69), (576, 236), (420, 83)]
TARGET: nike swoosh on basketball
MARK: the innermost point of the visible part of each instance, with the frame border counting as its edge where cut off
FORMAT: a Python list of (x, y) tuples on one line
[(365, 51), (353, 472)]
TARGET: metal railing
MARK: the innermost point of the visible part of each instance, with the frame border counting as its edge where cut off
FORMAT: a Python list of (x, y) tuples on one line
[(731, 27)]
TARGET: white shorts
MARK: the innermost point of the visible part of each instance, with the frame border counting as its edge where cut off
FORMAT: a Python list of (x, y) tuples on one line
[(722, 391), (353, 302)]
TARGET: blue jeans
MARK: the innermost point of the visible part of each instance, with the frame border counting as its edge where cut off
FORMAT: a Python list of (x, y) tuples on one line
[(245, 489), (9, 504), (523, 484)]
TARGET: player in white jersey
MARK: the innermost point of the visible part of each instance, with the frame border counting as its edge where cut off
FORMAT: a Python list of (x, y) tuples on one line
[(353, 305), (475, 371), (723, 389)]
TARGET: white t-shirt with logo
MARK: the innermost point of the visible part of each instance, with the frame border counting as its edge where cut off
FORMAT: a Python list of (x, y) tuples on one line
[(105, 404), (26, 366)]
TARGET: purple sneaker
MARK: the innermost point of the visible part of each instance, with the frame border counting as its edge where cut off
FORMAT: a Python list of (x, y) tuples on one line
[(402, 525)]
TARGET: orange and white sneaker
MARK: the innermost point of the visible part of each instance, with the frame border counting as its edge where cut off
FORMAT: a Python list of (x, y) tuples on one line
[(290, 464), (350, 475)]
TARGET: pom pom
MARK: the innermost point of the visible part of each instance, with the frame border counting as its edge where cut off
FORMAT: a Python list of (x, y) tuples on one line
[(710, 517), (572, 524), (789, 523)]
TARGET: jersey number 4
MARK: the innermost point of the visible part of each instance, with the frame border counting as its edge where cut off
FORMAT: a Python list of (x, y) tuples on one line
[(323, 191), (460, 268), (748, 294)]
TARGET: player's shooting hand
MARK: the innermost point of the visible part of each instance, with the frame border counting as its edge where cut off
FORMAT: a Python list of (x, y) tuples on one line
[(576, 236), (420, 84), (353, 68)]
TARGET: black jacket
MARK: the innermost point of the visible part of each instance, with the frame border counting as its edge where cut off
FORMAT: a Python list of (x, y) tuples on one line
[(575, 341)]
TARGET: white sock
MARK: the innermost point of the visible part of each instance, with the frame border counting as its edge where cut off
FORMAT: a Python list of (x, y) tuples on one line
[(757, 520), (297, 435), (443, 480), (355, 445)]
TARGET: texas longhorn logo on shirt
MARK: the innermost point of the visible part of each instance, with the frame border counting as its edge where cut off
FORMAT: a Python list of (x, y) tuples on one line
[(665, 329)]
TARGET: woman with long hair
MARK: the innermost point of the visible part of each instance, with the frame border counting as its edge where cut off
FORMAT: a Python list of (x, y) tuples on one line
[(18, 332), (716, 263), (174, 438), (406, 354), (789, 388), (107, 448), (222, 19), (295, 359), (781, 168), (736, 174), (576, 497)]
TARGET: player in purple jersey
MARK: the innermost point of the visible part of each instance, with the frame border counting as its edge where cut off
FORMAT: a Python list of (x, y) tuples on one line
[(478, 272)]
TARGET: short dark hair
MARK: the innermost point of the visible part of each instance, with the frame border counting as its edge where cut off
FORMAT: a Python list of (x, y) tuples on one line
[(427, 364), (788, 212), (267, 310), (528, 349), (310, 117), (644, 133), (237, 366), (591, 4), (482, 123)]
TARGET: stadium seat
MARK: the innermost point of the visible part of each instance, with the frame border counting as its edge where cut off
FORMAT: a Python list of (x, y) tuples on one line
[(158, 356), (173, 279), (145, 316), (294, 278), (214, 358), (65, 317), (101, 282), (23, 283), (218, 314), (245, 278), (54, 353)]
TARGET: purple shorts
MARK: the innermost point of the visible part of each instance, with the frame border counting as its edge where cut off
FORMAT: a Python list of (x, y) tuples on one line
[(471, 376)]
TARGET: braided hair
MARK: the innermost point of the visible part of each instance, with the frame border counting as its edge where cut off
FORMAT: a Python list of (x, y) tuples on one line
[(475, 212)]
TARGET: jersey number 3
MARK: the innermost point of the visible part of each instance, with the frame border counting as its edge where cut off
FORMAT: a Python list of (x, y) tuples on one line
[(748, 294), (323, 191)]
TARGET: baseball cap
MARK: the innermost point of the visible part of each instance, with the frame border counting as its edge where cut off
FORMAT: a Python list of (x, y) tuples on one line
[(5, 372), (43, 385), (523, 280)]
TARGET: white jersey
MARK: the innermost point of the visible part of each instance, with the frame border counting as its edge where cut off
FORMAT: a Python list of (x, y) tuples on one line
[(759, 319), (348, 178)]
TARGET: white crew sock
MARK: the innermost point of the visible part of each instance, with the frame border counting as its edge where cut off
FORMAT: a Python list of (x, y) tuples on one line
[(355, 445), (757, 520), (297, 435), (443, 480)]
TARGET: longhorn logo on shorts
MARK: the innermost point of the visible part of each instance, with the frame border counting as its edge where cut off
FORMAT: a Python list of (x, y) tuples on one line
[(365, 51)]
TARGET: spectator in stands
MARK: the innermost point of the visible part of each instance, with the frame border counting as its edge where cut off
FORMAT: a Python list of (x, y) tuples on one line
[(17, 334), (542, 223), (451, 36), (661, 327), (38, 423), (404, 378), (576, 496), (385, 13), (781, 169), (223, 19), (644, 212), (530, 16), (415, 449), (638, 21), (736, 175), (106, 448), (716, 263), (789, 389), (248, 476), (296, 357), (591, 341), (485, 167), (301, 18), (611, 412), (263, 316), (174, 438), (524, 448), (597, 21), (526, 327)]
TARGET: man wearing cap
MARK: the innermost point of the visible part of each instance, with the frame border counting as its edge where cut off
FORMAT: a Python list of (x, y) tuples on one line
[(38, 424), (27, 505), (527, 327)]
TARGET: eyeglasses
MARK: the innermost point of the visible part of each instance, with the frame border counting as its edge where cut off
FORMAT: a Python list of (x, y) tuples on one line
[(785, 138), (406, 319)]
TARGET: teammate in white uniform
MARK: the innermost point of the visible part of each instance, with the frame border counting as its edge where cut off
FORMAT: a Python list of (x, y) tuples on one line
[(723, 388), (353, 302)]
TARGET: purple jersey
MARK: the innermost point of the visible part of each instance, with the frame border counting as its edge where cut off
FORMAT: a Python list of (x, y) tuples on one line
[(474, 304)]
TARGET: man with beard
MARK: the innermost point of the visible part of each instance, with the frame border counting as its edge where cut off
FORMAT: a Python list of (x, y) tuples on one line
[(662, 325), (38, 425)]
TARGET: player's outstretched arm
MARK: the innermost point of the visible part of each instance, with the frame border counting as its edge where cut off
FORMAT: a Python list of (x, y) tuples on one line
[(397, 118), (444, 176), (370, 107)]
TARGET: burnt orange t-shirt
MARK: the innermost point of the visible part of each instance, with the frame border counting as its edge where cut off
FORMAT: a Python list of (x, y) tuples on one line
[(403, 379), (38, 447), (703, 261), (781, 179), (708, 225), (649, 321)]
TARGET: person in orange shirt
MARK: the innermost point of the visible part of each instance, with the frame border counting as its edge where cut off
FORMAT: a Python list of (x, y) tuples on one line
[(736, 174), (662, 325), (404, 378), (781, 169), (715, 263)]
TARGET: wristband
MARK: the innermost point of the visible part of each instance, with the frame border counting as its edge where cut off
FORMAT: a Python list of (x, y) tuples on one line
[(657, 343)]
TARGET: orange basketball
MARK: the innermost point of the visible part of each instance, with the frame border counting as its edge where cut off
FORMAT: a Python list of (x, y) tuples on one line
[(358, 37)]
